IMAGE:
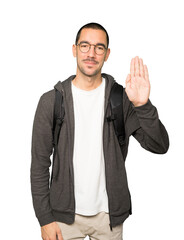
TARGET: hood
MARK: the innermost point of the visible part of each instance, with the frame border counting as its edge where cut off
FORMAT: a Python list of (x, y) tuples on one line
[(65, 86)]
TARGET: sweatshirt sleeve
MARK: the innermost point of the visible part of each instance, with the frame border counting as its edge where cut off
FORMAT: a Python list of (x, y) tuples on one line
[(144, 125), (41, 151)]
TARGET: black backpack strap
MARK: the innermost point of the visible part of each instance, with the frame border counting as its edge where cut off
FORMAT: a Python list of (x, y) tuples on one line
[(117, 116), (58, 118), (59, 113)]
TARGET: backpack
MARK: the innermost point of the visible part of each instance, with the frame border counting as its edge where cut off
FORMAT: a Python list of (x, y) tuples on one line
[(117, 116)]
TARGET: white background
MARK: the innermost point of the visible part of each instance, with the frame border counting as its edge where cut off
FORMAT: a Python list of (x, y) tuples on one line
[(36, 52)]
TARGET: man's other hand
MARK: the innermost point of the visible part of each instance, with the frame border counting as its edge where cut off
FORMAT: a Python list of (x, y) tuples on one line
[(51, 231)]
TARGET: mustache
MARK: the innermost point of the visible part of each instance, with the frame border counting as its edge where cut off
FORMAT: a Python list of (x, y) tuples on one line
[(90, 60)]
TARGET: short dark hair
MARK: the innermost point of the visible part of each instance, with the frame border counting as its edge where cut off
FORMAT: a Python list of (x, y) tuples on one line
[(92, 25)]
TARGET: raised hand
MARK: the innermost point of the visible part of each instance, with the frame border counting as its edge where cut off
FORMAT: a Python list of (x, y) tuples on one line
[(137, 83)]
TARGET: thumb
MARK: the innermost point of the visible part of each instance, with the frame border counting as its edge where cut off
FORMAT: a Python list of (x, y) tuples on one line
[(128, 82), (128, 79)]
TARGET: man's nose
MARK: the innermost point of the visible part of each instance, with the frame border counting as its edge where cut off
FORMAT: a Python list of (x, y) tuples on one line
[(91, 52)]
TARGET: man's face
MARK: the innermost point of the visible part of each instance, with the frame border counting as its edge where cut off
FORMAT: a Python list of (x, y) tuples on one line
[(90, 63)]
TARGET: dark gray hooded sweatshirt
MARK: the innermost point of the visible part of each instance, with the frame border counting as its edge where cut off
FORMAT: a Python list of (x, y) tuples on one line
[(56, 201)]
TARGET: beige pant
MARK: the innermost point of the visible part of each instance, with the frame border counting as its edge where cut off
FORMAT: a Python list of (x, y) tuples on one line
[(96, 227)]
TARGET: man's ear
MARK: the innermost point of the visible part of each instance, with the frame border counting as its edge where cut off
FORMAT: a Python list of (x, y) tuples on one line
[(74, 50), (107, 54)]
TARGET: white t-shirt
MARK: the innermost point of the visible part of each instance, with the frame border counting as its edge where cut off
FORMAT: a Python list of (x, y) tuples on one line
[(88, 159)]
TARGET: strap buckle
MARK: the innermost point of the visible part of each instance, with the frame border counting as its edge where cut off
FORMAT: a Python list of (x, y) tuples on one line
[(111, 118)]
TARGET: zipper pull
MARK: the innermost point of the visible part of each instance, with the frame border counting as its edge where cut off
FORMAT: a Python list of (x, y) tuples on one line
[(110, 226)]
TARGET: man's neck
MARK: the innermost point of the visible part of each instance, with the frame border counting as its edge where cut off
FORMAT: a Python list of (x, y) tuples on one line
[(87, 83)]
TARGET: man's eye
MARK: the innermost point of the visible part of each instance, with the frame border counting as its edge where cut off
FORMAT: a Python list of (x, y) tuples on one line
[(84, 45), (100, 47)]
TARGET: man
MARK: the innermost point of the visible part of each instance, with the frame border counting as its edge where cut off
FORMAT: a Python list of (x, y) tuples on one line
[(89, 192)]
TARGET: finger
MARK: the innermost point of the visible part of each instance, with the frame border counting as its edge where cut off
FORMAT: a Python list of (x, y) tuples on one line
[(146, 73), (45, 238), (137, 67), (141, 68), (132, 68), (59, 236)]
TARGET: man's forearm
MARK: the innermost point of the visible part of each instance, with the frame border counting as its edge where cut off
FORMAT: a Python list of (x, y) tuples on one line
[(152, 134), (41, 151)]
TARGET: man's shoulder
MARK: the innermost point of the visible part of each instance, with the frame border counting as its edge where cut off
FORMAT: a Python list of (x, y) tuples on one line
[(49, 95), (47, 100)]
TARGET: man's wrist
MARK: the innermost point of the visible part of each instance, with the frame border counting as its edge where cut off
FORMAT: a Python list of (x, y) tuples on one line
[(139, 104)]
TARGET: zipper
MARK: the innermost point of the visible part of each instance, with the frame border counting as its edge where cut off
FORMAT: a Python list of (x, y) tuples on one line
[(110, 225), (71, 157), (107, 184)]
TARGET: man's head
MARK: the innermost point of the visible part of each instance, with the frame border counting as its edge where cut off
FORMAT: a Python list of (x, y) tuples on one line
[(91, 49), (92, 25)]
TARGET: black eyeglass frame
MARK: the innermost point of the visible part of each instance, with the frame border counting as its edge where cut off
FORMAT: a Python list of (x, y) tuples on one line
[(95, 45)]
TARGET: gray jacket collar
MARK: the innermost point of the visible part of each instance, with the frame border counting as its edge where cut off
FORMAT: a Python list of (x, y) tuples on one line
[(65, 86)]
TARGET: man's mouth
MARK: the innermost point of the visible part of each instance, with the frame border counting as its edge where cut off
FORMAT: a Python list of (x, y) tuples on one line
[(90, 61)]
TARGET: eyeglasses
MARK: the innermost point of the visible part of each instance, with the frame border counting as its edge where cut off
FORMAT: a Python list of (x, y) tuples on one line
[(85, 47)]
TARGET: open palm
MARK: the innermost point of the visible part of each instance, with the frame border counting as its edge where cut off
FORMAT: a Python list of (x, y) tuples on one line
[(137, 83)]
